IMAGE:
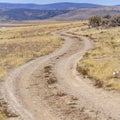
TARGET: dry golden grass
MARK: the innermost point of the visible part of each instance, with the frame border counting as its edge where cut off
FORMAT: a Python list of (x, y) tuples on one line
[(21, 44), (2, 116), (101, 62)]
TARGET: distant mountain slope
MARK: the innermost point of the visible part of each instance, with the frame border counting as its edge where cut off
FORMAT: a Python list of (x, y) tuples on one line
[(28, 14), (66, 5), (59, 6), (86, 13), (57, 11)]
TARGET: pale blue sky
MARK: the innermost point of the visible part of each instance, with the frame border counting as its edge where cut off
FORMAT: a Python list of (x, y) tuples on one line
[(105, 2)]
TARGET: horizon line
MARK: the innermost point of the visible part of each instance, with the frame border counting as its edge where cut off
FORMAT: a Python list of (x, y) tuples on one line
[(56, 3)]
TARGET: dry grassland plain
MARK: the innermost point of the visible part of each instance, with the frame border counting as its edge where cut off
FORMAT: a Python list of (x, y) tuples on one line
[(20, 43), (102, 64), (28, 40)]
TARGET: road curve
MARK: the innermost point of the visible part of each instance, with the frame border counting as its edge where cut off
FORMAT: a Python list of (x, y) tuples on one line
[(25, 91)]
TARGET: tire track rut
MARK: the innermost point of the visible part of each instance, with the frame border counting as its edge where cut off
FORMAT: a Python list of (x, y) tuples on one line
[(67, 96)]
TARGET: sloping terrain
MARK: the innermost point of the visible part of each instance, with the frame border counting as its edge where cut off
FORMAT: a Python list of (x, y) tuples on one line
[(54, 6), (28, 14), (11, 12), (56, 11), (86, 13)]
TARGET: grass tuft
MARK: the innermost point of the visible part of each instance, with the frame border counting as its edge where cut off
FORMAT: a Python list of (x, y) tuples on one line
[(101, 62)]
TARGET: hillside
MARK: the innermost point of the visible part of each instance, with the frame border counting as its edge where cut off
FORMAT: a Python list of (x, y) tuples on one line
[(54, 6), (85, 13), (28, 14), (57, 11)]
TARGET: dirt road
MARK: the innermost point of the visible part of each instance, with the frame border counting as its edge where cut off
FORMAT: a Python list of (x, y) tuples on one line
[(49, 88)]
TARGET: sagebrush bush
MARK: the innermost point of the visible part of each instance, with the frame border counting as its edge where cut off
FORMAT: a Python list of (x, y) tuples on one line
[(95, 21), (105, 21)]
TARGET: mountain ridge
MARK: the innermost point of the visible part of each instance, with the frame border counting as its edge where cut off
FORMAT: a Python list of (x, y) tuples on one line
[(86, 13), (63, 11), (53, 6), (28, 14)]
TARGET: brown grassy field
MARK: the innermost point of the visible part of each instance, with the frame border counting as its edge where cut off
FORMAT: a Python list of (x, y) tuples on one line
[(103, 62), (24, 43), (19, 45)]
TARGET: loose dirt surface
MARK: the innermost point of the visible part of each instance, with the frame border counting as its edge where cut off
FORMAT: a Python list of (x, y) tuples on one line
[(49, 88)]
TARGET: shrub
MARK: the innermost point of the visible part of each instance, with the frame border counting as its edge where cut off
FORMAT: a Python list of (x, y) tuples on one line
[(95, 21), (107, 16), (115, 21), (105, 21)]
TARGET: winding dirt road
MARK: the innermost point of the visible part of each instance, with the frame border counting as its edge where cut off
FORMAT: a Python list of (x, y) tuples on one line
[(49, 88)]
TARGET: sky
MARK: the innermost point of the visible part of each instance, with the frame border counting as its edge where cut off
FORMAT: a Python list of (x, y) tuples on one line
[(102, 2)]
